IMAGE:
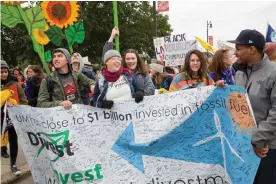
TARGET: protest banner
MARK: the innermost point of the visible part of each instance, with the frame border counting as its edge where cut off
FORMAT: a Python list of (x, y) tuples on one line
[(173, 49), (226, 45), (200, 135)]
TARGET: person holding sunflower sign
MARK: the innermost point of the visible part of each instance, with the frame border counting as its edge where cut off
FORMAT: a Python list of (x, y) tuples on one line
[(134, 63)]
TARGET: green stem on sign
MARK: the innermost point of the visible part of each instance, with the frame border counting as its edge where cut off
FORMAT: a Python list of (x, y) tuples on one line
[(70, 46), (115, 14), (45, 65), (39, 49)]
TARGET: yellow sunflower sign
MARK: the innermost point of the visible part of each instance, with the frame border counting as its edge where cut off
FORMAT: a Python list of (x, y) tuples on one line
[(62, 16), (40, 36), (60, 13)]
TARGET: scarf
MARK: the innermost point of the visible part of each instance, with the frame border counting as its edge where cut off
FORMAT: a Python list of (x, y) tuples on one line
[(134, 71), (114, 76), (227, 75)]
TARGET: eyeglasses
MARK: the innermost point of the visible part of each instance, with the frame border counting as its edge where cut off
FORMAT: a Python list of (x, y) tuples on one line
[(116, 58)]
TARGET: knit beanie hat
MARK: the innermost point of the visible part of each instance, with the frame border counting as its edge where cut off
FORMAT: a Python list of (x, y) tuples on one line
[(65, 52), (157, 67), (109, 54), (4, 64)]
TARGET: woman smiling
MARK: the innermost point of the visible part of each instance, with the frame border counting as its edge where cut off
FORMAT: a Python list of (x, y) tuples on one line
[(134, 63), (116, 83), (194, 73)]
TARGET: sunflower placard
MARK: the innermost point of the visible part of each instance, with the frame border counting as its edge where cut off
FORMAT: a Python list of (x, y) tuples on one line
[(60, 13), (10, 16), (75, 33), (33, 18), (56, 35), (48, 56), (40, 36), (61, 16)]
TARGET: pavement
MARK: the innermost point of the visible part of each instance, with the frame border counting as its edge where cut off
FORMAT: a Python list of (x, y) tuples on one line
[(6, 174)]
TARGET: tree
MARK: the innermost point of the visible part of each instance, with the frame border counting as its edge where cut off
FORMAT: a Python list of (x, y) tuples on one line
[(135, 24), (16, 46)]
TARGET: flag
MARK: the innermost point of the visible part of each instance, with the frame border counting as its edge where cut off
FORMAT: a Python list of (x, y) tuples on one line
[(205, 45), (271, 34), (162, 6)]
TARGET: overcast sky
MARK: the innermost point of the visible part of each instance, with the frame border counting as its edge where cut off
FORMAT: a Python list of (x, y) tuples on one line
[(228, 17)]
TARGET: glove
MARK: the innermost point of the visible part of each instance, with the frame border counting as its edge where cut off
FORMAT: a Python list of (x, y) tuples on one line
[(162, 91), (107, 104), (139, 96)]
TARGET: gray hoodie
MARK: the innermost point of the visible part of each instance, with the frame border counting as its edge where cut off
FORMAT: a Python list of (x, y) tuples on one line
[(260, 84), (80, 61), (88, 73)]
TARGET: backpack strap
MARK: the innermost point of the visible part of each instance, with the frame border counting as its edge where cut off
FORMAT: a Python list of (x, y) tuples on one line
[(101, 83), (50, 86)]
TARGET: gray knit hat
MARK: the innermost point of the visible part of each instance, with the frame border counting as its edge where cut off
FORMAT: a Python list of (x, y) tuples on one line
[(109, 54), (4, 64), (65, 52)]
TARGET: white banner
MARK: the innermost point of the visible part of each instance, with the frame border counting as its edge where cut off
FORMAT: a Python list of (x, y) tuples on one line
[(199, 135), (173, 49)]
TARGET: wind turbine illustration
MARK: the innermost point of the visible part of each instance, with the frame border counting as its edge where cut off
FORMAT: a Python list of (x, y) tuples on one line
[(222, 137)]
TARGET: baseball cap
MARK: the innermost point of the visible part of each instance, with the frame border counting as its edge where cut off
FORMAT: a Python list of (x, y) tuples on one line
[(250, 37)]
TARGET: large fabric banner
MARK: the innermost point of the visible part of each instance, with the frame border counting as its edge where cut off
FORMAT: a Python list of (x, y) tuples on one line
[(196, 136), (173, 49)]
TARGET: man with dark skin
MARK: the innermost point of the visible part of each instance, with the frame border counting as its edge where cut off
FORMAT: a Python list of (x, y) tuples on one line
[(257, 74)]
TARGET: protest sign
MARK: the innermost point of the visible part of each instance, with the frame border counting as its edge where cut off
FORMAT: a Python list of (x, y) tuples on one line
[(200, 135), (226, 45), (173, 49)]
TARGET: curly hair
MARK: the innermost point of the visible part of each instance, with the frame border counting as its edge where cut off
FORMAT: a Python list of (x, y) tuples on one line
[(141, 67), (217, 65), (203, 64)]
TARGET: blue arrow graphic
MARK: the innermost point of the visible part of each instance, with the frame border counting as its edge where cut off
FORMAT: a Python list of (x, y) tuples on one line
[(180, 143)]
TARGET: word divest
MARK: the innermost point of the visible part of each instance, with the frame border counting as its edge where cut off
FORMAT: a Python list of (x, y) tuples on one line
[(173, 49), (196, 136)]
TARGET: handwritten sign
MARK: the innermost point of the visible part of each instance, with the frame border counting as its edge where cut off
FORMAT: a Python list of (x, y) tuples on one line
[(198, 135), (173, 49)]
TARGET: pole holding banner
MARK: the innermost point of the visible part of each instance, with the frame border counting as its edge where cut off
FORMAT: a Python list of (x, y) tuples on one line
[(115, 15), (154, 19)]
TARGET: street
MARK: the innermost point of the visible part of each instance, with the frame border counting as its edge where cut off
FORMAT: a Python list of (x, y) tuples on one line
[(25, 180)]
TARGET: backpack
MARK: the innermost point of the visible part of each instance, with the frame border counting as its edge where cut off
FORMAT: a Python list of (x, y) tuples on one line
[(50, 86)]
